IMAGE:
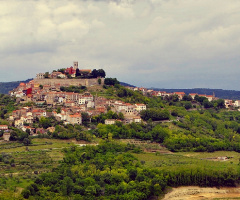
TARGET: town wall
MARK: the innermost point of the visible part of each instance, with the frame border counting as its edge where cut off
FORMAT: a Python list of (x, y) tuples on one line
[(68, 82)]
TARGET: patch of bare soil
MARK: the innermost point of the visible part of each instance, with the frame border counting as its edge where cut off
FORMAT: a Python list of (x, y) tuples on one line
[(200, 193)]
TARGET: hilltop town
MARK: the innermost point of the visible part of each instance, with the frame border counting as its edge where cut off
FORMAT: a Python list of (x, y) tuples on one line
[(50, 97), (136, 130), (64, 94)]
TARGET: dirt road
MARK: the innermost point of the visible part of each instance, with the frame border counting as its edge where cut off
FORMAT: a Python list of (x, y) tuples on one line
[(201, 193)]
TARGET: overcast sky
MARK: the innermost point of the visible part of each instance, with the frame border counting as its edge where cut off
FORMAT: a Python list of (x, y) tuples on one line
[(150, 43)]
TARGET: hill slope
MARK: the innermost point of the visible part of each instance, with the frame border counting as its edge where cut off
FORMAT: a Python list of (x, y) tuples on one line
[(5, 87), (223, 94)]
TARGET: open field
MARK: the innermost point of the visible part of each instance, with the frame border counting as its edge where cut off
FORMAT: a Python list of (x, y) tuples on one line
[(232, 155), (190, 160)]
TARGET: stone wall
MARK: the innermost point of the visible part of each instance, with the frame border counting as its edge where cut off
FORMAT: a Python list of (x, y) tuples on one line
[(68, 82)]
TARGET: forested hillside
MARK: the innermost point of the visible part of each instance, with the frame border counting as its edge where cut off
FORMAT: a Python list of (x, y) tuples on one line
[(5, 87)]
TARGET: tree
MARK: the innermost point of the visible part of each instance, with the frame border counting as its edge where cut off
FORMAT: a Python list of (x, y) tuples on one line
[(120, 116), (111, 81), (62, 70), (188, 105), (28, 131), (78, 73), (207, 104), (155, 114), (67, 186), (94, 73), (173, 98), (159, 133), (44, 122), (187, 98), (13, 136), (220, 103), (46, 75), (26, 193), (85, 118), (132, 173), (26, 141), (199, 99), (101, 73)]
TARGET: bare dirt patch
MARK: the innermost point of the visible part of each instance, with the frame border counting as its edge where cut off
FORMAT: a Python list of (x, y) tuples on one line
[(201, 193)]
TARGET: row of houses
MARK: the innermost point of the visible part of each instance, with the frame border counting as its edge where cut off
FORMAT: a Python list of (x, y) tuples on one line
[(231, 103), (182, 94), (3, 127), (228, 102), (164, 93)]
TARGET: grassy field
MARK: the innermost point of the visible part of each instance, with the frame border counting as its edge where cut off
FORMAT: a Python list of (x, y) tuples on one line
[(159, 157), (37, 144), (233, 156), (190, 160)]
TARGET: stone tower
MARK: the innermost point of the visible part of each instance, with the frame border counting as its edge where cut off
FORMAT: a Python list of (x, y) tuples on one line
[(75, 65)]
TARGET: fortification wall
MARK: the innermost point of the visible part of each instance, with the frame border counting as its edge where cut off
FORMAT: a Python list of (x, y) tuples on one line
[(68, 82)]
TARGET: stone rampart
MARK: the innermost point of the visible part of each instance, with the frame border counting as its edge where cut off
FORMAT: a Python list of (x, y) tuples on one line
[(68, 82)]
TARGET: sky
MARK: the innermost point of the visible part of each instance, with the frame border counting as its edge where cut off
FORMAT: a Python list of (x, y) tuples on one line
[(146, 43)]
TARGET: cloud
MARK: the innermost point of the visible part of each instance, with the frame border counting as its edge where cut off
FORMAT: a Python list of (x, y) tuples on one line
[(122, 9), (158, 43)]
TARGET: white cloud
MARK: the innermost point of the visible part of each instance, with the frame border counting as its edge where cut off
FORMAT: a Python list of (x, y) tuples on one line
[(122, 9), (162, 42)]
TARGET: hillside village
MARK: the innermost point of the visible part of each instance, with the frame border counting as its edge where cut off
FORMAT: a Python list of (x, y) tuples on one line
[(49, 98), (72, 104), (59, 112)]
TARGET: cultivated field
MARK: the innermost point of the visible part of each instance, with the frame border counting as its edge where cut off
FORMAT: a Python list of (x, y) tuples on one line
[(20, 165)]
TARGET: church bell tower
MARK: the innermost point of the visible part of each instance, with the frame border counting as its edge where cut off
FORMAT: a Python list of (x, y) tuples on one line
[(75, 65)]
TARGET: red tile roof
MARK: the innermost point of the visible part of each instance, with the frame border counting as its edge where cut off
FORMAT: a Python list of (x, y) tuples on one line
[(179, 93)]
